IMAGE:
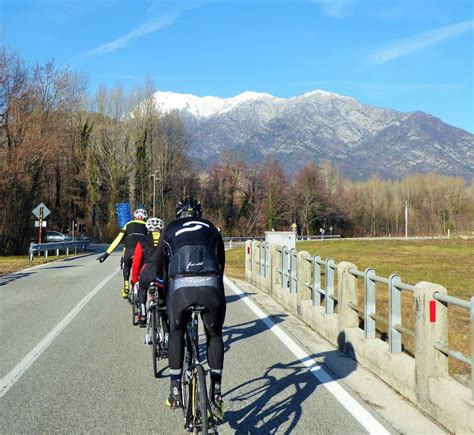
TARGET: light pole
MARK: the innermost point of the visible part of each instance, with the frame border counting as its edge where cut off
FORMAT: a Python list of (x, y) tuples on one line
[(154, 191)]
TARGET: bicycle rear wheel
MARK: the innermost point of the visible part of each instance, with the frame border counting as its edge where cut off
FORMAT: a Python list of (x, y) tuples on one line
[(134, 308), (154, 341), (200, 401)]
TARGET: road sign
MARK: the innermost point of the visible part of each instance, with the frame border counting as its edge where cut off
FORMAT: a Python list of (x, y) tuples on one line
[(46, 210), (37, 224)]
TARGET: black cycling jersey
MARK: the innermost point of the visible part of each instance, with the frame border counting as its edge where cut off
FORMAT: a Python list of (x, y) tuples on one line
[(189, 247), (133, 231)]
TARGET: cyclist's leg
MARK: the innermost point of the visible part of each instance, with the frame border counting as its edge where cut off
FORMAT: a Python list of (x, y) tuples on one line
[(147, 275), (214, 299), (177, 302), (162, 303), (127, 265)]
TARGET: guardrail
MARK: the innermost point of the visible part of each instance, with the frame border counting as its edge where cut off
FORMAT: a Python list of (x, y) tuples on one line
[(295, 279), (229, 241), (56, 246)]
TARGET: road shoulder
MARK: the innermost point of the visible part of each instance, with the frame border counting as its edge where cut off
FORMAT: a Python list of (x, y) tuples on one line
[(372, 392)]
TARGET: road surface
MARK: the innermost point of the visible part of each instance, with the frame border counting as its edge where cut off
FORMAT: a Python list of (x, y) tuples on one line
[(71, 361)]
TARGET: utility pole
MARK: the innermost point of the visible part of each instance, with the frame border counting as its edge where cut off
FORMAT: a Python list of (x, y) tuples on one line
[(406, 219), (154, 191)]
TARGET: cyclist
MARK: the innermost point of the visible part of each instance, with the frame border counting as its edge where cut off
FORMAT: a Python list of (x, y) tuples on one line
[(132, 231), (191, 253), (144, 265)]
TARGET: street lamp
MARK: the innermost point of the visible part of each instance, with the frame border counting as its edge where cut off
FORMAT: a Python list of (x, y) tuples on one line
[(154, 190)]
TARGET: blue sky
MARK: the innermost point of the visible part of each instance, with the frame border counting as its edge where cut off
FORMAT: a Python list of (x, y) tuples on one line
[(403, 54)]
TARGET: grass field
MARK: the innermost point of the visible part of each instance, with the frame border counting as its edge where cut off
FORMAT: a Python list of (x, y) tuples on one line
[(12, 264), (446, 262)]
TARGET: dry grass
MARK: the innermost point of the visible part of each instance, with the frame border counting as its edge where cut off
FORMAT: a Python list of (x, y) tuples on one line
[(446, 262), (12, 264)]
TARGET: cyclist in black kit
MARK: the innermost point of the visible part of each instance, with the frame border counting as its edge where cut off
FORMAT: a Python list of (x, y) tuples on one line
[(191, 253), (132, 231)]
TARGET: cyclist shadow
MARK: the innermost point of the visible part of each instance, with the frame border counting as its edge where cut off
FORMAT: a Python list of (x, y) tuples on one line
[(273, 403), (6, 279), (234, 298), (233, 333)]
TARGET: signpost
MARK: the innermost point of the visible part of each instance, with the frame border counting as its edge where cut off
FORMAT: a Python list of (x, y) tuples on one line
[(41, 212)]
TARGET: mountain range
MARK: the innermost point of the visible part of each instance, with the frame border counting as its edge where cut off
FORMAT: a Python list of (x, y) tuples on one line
[(359, 139)]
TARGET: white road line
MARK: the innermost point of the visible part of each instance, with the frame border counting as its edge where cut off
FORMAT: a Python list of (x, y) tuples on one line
[(346, 400), (9, 380)]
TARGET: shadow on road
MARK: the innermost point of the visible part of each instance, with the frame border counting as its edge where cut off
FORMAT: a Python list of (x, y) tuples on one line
[(273, 403), (233, 298), (6, 279), (79, 257), (60, 267), (234, 333)]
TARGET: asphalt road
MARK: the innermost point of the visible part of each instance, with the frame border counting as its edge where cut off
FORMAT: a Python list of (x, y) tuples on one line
[(92, 373)]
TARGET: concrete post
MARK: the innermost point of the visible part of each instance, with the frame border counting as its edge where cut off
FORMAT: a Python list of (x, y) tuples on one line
[(255, 265), (248, 259), (57, 252), (303, 271), (431, 325), (347, 293), (275, 264)]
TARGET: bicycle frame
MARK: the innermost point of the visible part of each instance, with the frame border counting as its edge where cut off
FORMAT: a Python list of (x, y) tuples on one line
[(191, 375)]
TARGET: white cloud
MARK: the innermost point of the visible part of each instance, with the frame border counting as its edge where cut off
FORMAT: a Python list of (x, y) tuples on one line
[(417, 42), (150, 26), (138, 32), (335, 8)]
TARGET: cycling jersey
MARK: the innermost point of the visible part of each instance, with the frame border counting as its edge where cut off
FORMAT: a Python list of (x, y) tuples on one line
[(189, 247), (133, 231)]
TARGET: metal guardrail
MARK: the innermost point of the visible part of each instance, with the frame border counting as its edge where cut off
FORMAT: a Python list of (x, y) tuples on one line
[(229, 241), (56, 246)]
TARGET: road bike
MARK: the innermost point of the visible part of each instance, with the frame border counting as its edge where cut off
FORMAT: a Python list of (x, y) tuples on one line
[(155, 334), (197, 412)]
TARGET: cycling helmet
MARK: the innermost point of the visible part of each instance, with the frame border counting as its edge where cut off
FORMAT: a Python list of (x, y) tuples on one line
[(154, 224), (140, 213), (188, 207)]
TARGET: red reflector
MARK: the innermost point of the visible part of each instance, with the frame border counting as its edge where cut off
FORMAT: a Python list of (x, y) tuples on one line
[(248, 250), (432, 311)]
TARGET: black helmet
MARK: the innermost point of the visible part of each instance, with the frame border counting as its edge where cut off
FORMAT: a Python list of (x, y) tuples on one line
[(188, 207)]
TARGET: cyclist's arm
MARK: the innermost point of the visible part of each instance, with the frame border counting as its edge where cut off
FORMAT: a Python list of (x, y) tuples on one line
[(117, 240), (136, 262)]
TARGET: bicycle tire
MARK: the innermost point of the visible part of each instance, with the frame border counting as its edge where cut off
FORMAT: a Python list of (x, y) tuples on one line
[(154, 343), (201, 404), (134, 310)]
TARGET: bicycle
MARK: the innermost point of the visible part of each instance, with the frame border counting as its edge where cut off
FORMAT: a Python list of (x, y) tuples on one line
[(155, 321), (133, 299), (196, 408)]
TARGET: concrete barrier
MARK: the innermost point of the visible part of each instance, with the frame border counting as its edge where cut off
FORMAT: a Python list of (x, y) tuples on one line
[(423, 379)]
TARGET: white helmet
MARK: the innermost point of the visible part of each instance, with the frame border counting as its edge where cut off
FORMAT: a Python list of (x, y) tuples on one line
[(154, 224), (140, 213)]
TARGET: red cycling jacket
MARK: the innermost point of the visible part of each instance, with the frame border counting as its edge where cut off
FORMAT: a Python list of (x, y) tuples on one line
[(144, 253)]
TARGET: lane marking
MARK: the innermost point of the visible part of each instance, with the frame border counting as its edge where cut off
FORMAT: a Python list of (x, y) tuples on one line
[(326, 379), (9, 380)]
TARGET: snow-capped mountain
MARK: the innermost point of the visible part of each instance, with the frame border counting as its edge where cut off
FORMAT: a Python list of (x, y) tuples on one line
[(361, 140)]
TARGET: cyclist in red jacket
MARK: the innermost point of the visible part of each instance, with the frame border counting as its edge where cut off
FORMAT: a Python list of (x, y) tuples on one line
[(144, 264)]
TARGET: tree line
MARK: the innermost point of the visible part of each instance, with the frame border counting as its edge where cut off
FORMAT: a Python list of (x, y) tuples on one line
[(78, 152)]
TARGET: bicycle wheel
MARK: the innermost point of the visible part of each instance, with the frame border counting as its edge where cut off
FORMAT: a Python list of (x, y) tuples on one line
[(134, 309), (200, 401), (154, 342)]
